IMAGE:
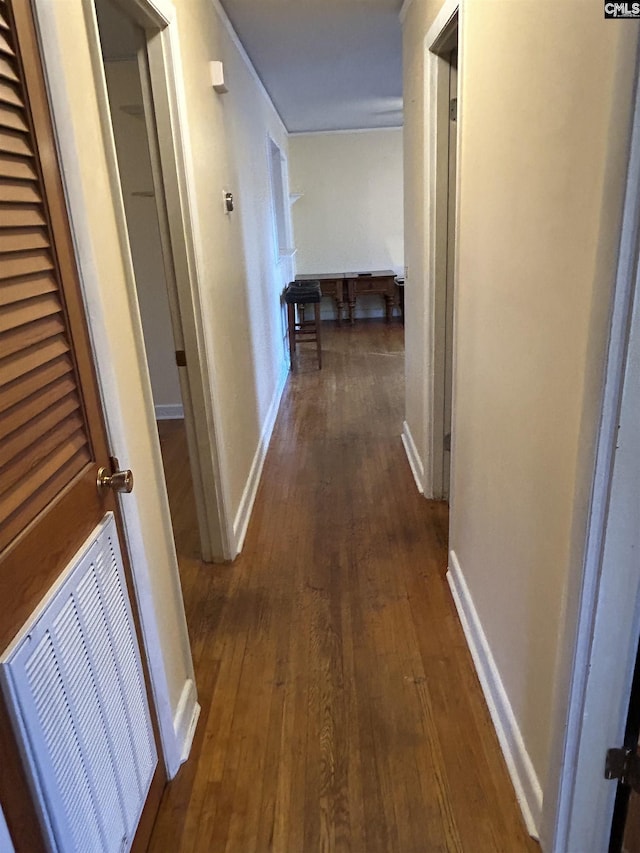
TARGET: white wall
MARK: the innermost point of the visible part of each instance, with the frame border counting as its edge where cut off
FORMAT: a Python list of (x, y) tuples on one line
[(350, 215), (241, 281), (541, 185), (134, 163)]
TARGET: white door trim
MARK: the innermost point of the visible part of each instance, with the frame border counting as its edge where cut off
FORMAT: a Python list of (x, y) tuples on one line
[(597, 657), (174, 148), (436, 178), (157, 18)]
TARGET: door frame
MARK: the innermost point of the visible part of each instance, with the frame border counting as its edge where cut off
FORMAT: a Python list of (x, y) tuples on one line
[(145, 513), (158, 20), (602, 600), (436, 180)]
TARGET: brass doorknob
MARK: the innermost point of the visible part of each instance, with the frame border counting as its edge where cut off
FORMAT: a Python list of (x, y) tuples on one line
[(119, 481)]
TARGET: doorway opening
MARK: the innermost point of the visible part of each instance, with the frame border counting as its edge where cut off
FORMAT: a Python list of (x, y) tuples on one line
[(123, 44), (444, 188)]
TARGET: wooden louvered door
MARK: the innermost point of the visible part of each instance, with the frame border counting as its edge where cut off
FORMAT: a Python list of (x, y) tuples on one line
[(52, 435)]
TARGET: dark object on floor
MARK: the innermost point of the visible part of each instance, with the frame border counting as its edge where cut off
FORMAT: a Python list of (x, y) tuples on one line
[(297, 295)]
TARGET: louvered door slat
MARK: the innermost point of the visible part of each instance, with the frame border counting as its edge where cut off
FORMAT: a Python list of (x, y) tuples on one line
[(20, 170), (9, 95), (28, 310), (12, 119), (24, 411), (16, 291), (30, 359), (40, 496), (15, 143), (34, 380), (32, 461), (61, 460), (22, 438), (5, 47), (7, 71), (40, 330), (18, 216), (24, 263), (18, 193), (22, 239)]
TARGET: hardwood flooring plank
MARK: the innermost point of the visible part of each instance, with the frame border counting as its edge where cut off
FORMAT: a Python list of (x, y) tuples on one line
[(340, 709)]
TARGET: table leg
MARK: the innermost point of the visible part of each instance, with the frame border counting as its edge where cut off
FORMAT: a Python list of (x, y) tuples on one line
[(318, 328), (291, 322), (389, 307)]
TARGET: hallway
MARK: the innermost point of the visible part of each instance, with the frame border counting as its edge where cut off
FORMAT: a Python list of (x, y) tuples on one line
[(340, 707)]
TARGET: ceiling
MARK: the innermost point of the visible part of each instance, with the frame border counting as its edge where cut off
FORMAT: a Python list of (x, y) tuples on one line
[(327, 64)]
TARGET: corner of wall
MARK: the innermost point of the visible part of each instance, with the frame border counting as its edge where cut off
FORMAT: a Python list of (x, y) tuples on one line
[(241, 521), (523, 776), (415, 463), (184, 726)]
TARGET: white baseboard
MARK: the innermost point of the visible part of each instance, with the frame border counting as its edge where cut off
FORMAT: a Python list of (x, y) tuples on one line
[(417, 468), (241, 521), (170, 412), (523, 776), (185, 720)]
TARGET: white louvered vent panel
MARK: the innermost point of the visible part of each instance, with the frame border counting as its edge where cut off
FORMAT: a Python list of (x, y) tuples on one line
[(60, 739), (115, 597), (74, 681), (71, 640)]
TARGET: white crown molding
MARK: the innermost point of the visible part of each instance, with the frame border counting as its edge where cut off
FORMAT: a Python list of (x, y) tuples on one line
[(336, 132)]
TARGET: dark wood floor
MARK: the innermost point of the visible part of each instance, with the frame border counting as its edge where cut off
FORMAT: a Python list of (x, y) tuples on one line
[(340, 708)]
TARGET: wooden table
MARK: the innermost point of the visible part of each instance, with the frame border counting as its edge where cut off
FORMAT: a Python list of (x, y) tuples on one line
[(378, 282), (345, 288)]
